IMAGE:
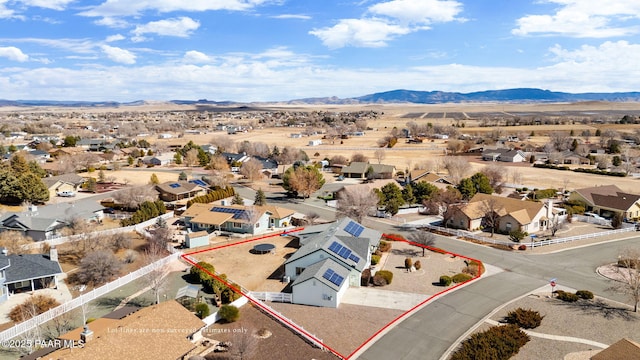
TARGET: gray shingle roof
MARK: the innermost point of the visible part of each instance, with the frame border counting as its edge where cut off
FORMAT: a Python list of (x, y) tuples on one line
[(74, 179), (316, 271), (30, 266)]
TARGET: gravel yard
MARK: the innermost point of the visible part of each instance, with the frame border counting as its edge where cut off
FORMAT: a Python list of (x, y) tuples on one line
[(597, 320)]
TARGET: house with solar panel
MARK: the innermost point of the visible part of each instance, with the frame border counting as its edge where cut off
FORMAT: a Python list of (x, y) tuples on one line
[(236, 218), (331, 258), (181, 190)]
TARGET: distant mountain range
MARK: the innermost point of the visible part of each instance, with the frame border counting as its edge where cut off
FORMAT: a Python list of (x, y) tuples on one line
[(522, 95)]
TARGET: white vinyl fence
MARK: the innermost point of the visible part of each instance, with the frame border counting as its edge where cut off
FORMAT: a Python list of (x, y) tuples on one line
[(81, 300), (273, 296)]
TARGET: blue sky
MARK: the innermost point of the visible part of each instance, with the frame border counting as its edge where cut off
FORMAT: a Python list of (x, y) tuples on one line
[(267, 50)]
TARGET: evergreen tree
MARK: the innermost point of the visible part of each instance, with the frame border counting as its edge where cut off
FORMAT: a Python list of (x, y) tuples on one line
[(182, 176), (177, 158), (32, 188), (237, 199), (261, 198), (408, 194), (154, 179)]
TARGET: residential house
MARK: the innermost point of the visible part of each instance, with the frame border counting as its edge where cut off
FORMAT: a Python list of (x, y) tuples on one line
[(66, 151), (172, 191), (608, 200), (236, 218), (358, 170), (28, 272), (63, 183), (159, 160), (40, 156), (514, 214), (571, 158), (174, 329), (502, 154), (46, 222), (94, 144), (315, 142), (415, 176), (270, 167), (331, 258)]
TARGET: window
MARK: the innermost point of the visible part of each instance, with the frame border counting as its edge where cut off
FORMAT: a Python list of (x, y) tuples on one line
[(508, 227), (299, 270), (237, 225)]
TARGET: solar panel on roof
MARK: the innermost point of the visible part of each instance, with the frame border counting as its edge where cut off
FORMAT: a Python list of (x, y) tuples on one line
[(199, 182), (354, 258), (354, 228), (237, 213), (174, 185), (328, 274), (335, 247), (344, 253), (336, 279)]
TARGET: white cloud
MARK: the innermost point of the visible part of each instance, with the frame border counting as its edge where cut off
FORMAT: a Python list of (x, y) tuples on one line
[(74, 45), (583, 18), (419, 11), (48, 4), (119, 55), (387, 21), (112, 38), (13, 53), (292, 16), (112, 22), (196, 57), (359, 33), (112, 8), (4, 12), (179, 27), (280, 74)]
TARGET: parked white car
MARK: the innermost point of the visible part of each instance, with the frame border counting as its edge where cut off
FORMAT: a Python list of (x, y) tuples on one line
[(595, 216), (66, 194)]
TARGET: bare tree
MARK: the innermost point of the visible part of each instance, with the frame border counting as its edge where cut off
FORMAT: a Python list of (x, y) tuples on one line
[(496, 175), (218, 162), (556, 224), (356, 202), (251, 169), (312, 217), (134, 196), (491, 209), (516, 176), (458, 167), (156, 279), (191, 157), (423, 237), (628, 276), (561, 141), (223, 143), (99, 267), (358, 157), (380, 155), (15, 242)]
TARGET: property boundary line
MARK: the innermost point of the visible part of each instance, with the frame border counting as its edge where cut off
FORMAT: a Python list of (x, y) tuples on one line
[(298, 329)]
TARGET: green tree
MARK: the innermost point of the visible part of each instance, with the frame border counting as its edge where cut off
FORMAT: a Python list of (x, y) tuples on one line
[(12, 148), (229, 313), (70, 141), (154, 179), (130, 160), (177, 158), (598, 132), (203, 157), (19, 164), (466, 188), (92, 185), (35, 168), (32, 188), (391, 198), (423, 190), (101, 176), (237, 199), (407, 194), (260, 199), (9, 188), (616, 161), (182, 176), (482, 183)]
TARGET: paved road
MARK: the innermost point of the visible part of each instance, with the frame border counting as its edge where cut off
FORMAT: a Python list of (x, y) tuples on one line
[(432, 330)]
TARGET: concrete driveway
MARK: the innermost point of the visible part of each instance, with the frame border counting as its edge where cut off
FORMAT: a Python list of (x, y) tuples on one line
[(374, 297)]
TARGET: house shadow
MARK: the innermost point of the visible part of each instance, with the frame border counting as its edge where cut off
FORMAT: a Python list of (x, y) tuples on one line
[(278, 274)]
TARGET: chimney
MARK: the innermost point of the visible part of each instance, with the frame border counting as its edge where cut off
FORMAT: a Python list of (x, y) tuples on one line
[(86, 335), (53, 254), (549, 209), (4, 251)]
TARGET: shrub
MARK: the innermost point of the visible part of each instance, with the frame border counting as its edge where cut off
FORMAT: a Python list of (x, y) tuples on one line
[(584, 294), (445, 280), (522, 247), (386, 274), (566, 296), (202, 310), (461, 277), (517, 235), (229, 313), (32, 306), (384, 246), (498, 342), (526, 319), (417, 265), (375, 259), (365, 278), (408, 263), (631, 263), (379, 280)]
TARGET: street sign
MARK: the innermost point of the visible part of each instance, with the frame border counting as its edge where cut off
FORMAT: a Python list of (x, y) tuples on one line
[(553, 284)]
